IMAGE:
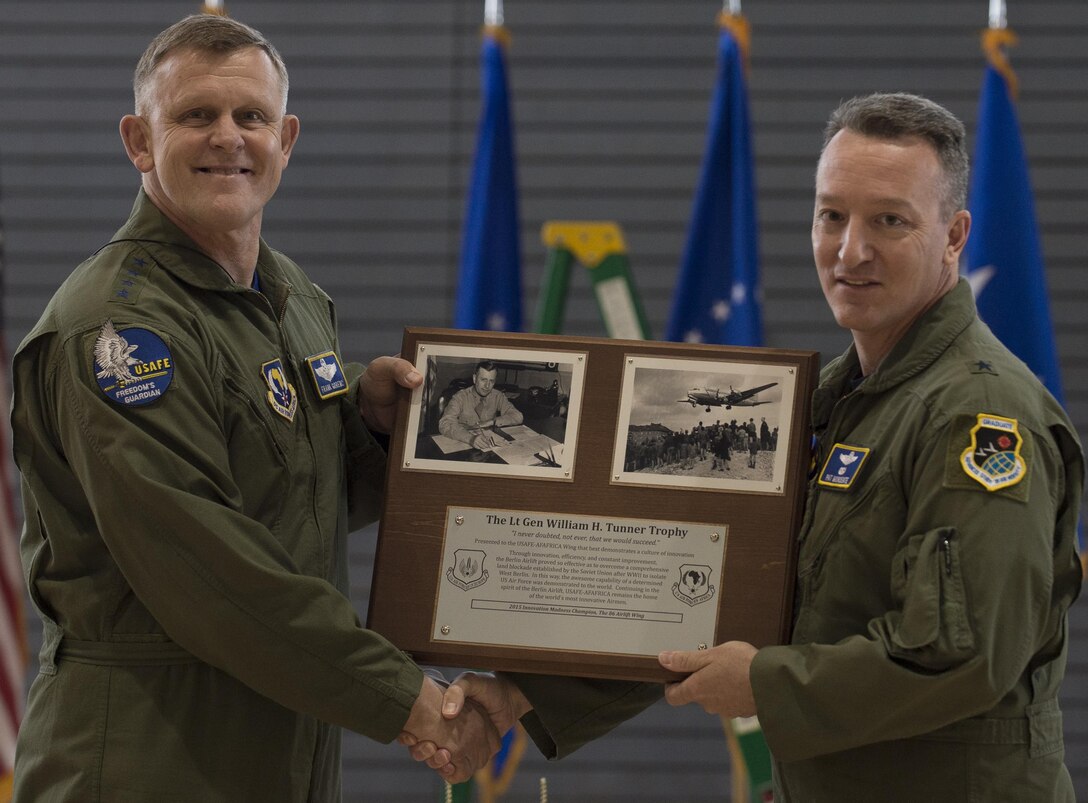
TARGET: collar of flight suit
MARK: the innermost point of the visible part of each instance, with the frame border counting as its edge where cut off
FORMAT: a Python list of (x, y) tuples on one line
[(925, 341), (176, 253)]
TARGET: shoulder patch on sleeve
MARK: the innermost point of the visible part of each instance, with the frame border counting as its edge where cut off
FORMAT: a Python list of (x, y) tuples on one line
[(988, 452), (133, 366)]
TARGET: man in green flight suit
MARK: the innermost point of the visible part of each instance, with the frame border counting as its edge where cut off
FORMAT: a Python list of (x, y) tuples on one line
[(194, 452), (938, 547), (937, 551)]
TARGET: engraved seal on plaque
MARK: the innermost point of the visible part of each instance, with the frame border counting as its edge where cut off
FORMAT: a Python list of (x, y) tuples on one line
[(694, 586), (467, 571)]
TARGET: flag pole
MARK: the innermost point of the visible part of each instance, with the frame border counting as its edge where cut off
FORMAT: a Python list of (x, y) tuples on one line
[(216, 7), (995, 40), (731, 7), (492, 12)]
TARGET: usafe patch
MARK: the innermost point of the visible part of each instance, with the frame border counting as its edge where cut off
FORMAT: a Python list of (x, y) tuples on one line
[(133, 366), (281, 393), (130, 279), (842, 467), (994, 457), (328, 375)]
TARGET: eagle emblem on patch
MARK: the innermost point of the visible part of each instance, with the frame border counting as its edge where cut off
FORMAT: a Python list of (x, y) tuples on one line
[(133, 366), (993, 457), (327, 374), (843, 466), (281, 393)]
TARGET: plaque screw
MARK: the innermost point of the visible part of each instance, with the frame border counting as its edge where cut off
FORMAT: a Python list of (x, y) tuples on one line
[(790, 372), (407, 463), (446, 632), (460, 520), (714, 537), (779, 488), (701, 646)]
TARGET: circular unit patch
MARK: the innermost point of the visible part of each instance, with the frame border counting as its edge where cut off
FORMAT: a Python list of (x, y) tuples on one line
[(133, 366)]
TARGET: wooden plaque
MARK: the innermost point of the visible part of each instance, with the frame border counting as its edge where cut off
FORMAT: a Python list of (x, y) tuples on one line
[(626, 497)]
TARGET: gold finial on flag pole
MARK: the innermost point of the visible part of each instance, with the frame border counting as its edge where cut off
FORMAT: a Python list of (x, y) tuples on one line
[(493, 12), (216, 7), (994, 41), (731, 18)]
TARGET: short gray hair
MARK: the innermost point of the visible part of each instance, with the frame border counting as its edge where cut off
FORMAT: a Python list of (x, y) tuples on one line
[(898, 115), (207, 32)]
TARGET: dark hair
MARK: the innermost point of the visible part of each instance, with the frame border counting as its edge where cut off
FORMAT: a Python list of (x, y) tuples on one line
[(484, 365), (208, 32), (899, 115)]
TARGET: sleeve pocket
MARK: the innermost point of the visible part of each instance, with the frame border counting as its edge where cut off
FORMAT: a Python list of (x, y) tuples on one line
[(932, 628)]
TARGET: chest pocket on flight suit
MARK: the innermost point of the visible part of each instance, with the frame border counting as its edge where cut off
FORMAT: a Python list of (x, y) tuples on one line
[(933, 628), (257, 456)]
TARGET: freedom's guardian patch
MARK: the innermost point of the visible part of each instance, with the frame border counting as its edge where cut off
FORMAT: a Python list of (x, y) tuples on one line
[(281, 393), (993, 457), (842, 466), (328, 375), (134, 366)]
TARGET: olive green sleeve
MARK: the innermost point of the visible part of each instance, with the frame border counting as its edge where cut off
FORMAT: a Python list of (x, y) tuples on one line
[(974, 597), (568, 712), (366, 459), (160, 485)]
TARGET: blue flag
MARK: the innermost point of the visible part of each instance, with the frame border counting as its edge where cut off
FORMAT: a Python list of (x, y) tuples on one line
[(717, 296), (489, 290), (1003, 256)]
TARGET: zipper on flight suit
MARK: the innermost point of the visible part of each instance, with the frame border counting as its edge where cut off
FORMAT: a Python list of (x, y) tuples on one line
[(945, 546)]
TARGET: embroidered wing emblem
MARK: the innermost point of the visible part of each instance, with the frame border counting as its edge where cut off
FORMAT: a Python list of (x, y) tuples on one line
[(114, 354), (325, 371)]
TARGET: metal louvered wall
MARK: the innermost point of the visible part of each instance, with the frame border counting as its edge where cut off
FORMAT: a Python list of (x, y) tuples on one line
[(610, 99)]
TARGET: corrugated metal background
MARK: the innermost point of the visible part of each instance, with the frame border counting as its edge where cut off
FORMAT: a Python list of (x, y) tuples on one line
[(610, 100)]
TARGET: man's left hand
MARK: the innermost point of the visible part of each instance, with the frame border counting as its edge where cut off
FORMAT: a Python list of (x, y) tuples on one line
[(378, 390), (718, 679)]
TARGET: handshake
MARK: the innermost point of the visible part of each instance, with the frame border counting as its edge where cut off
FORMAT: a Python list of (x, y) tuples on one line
[(456, 731)]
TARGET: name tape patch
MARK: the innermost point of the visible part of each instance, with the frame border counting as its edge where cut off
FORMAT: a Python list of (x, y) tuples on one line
[(328, 375), (133, 366), (842, 466)]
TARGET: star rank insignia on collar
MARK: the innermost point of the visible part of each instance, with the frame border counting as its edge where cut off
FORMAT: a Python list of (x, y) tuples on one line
[(981, 367)]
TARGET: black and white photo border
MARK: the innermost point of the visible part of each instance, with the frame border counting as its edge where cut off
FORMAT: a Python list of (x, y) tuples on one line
[(680, 375), (573, 362)]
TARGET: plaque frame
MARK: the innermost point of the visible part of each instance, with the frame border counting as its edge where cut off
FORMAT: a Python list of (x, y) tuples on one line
[(760, 505)]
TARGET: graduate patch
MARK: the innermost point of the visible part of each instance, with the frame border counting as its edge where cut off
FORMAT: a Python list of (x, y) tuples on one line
[(133, 366), (281, 393), (842, 466), (993, 457), (328, 375)]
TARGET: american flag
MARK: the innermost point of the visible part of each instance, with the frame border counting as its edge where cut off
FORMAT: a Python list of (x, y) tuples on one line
[(13, 646)]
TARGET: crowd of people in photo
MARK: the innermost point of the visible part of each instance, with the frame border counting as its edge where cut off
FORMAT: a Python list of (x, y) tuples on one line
[(655, 447)]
